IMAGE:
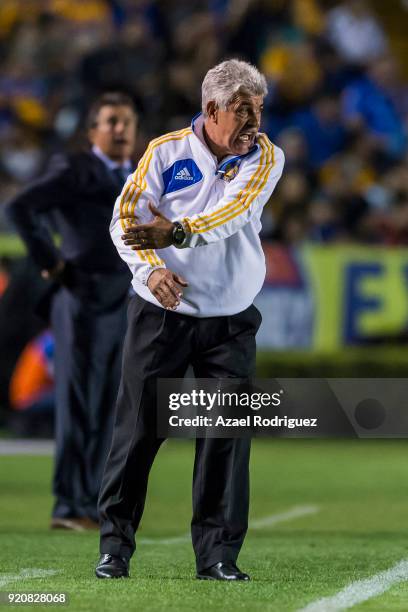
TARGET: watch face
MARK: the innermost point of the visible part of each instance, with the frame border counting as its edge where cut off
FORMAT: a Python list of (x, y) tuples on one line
[(178, 235)]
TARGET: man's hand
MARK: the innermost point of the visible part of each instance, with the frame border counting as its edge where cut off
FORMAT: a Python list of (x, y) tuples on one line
[(155, 235), (56, 273), (166, 287)]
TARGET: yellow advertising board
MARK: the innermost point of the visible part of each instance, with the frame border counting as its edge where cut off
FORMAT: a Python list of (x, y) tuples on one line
[(360, 294)]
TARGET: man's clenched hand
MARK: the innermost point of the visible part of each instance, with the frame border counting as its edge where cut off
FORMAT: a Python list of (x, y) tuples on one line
[(56, 273), (155, 235), (166, 287)]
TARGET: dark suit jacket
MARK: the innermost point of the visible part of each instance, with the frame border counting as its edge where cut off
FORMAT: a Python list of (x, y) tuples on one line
[(76, 196)]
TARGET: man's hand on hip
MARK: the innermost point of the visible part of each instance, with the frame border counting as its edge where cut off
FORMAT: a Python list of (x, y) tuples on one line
[(56, 273), (166, 287), (155, 235)]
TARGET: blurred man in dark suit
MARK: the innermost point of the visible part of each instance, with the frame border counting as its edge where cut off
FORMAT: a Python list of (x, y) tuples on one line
[(76, 196)]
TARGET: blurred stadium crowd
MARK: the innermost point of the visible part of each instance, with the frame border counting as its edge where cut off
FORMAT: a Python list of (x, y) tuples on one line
[(337, 105)]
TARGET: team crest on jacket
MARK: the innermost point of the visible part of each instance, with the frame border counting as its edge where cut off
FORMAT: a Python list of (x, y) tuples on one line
[(230, 171)]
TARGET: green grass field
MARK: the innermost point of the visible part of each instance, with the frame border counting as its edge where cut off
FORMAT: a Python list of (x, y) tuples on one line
[(359, 527)]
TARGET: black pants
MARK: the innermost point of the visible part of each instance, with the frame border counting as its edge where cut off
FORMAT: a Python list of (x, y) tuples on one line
[(88, 351), (161, 344)]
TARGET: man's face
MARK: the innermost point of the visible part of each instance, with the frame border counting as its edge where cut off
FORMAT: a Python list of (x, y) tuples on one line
[(115, 132), (234, 130)]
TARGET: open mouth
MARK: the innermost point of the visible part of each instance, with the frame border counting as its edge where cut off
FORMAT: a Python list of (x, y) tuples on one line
[(247, 137)]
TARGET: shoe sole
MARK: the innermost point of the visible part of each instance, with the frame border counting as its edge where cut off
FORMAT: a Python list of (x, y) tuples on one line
[(67, 526), (108, 576), (201, 577)]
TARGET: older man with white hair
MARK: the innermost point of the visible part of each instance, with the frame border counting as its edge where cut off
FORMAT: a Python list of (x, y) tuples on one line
[(187, 223)]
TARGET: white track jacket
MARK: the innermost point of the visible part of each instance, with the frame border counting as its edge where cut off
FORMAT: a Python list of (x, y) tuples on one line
[(220, 207)]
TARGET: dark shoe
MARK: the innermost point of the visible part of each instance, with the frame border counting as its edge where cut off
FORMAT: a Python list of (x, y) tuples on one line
[(74, 523), (110, 566), (222, 571)]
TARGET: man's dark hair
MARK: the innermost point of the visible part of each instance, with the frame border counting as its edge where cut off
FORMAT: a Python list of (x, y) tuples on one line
[(111, 98)]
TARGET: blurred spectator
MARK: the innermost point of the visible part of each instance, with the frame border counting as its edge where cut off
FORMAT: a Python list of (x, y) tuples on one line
[(130, 58), (371, 104), (4, 274), (322, 128), (181, 101), (395, 225), (323, 220), (294, 189), (308, 16), (252, 22), (18, 321), (350, 172), (292, 68), (355, 32), (292, 141), (337, 74), (292, 229), (22, 158), (33, 376)]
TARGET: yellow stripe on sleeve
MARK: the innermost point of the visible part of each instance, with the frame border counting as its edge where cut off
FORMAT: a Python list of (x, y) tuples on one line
[(132, 194), (251, 196), (128, 187), (204, 222), (245, 196)]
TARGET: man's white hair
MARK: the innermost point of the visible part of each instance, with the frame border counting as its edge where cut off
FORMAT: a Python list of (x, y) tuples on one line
[(226, 79)]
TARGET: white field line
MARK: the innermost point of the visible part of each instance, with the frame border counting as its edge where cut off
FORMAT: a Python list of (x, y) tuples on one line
[(28, 572), (174, 540), (26, 447), (361, 590), (289, 515), (266, 521)]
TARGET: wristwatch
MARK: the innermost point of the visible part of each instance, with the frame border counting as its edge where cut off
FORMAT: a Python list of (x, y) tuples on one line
[(179, 235)]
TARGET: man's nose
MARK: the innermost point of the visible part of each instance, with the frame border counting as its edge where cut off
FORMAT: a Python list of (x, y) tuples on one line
[(255, 119), (120, 127)]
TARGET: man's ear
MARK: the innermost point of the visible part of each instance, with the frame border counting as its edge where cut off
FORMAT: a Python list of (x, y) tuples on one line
[(212, 111), (90, 135)]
